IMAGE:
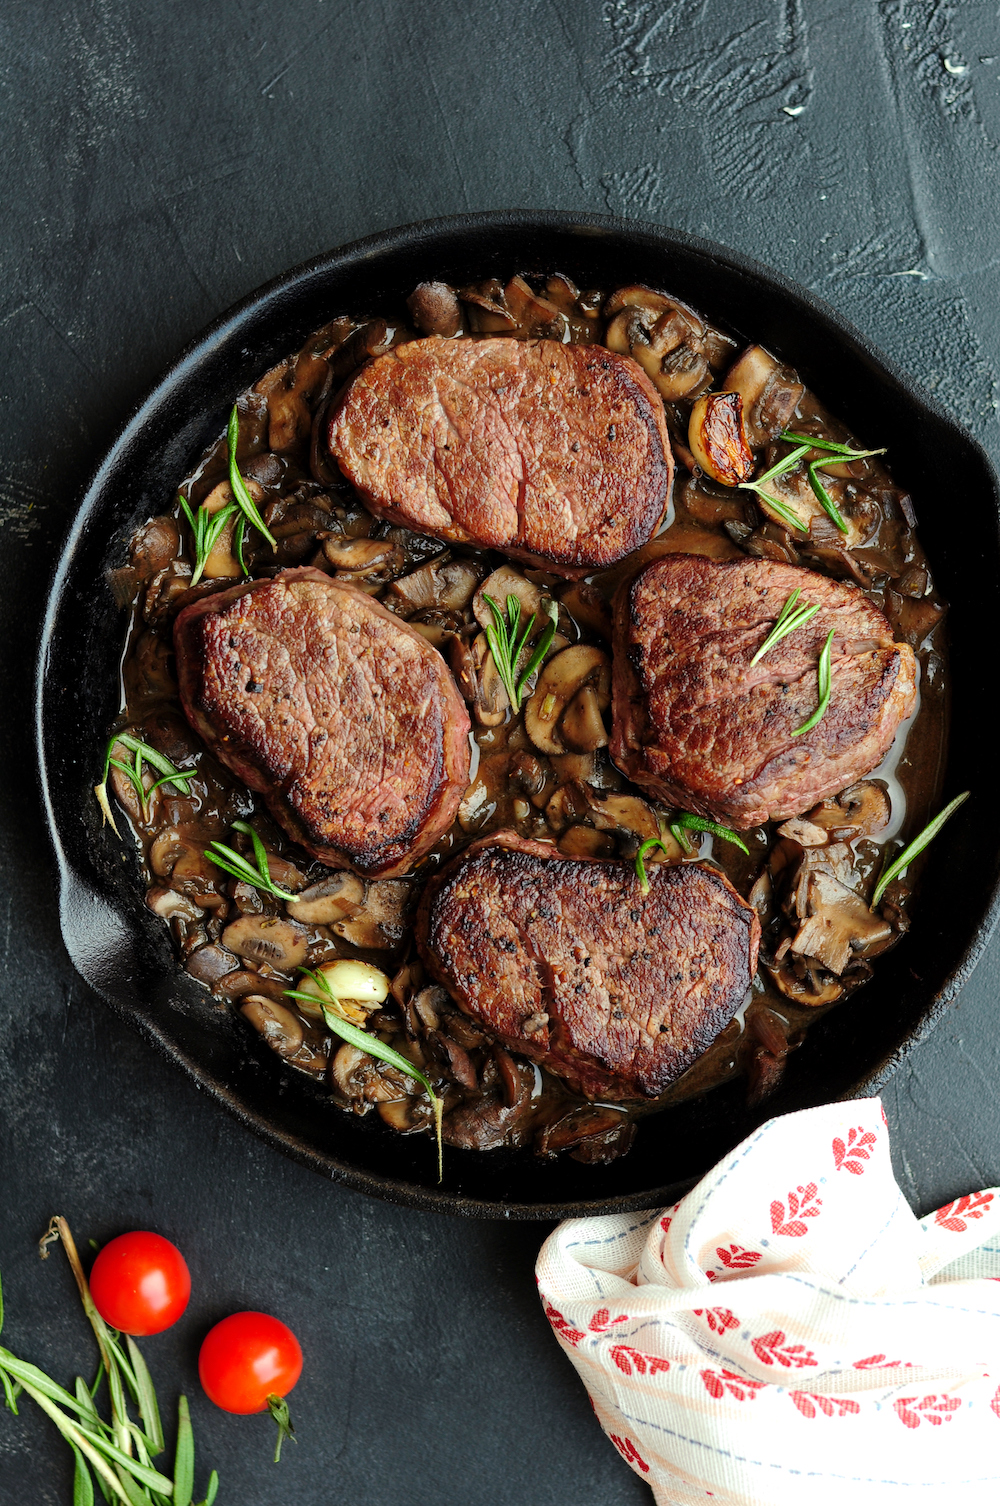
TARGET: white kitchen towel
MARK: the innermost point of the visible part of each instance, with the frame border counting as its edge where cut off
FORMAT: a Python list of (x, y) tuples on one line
[(789, 1334)]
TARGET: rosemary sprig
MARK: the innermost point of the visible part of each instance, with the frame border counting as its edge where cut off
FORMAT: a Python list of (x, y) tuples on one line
[(823, 497), (787, 514), (205, 530), (239, 867), (903, 860), (141, 753), (822, 686), (238, 486), (372, 1046), (640, 861), (686, 822), (790, 618), (838, 452), (117, 1454), (507, 648)]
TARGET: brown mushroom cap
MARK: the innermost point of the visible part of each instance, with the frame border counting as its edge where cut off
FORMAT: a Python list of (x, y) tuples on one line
[(578, 672), (435, 309)]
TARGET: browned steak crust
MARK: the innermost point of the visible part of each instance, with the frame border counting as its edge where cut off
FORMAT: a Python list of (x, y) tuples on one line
[(342, 715), (566, 961), (552, 453), (698, 727)]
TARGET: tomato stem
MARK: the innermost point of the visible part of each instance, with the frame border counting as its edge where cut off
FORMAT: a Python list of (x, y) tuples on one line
[(278, 1408)]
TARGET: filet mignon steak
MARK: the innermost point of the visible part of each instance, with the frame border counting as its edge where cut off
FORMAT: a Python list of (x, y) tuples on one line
[(341, 714), (698, 727), (566, 961), (556, 454)]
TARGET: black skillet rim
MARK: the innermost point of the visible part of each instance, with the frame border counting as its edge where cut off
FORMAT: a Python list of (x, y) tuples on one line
[(385, 243)]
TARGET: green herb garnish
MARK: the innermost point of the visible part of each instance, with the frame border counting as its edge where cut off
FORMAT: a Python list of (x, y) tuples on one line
[(142, 754), (787, 514), (821, 494), (372, 1046), (239, 867), (918, 844), (205, 529), (686, 822), (241, 496), (640, 861), (839, 451), (789, 619), (507, 648), (678, 830), (119, 1453), (822, 685), (278, 1408)]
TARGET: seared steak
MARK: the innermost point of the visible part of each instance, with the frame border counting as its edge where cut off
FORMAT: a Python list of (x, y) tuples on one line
[(698, 727), (566, 961), (556, 454), (341, 714)]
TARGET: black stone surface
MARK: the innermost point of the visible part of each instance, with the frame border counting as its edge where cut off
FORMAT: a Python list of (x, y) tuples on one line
[(160, 162)]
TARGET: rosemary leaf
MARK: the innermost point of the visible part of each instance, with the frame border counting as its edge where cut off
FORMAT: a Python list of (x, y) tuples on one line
[(827, 503), (83, 1485), (243, 499), (903, 860), (541, 649), (239, 867), (823, 678), (212, 1491), (206, 529), (149, 1411), (687, 822), (640, 861), (184, 1458), (179, 778), (372, 1046), (839, 451), (789, 620)]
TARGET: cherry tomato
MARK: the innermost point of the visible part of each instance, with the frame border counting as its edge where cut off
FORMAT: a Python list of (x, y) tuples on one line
[(246, 1359), (140, 1283)]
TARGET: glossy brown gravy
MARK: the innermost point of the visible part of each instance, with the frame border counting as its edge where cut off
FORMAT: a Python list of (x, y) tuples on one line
[(577, 799)]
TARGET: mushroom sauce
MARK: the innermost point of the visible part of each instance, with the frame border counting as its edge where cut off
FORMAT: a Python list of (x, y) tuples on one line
[(545, 771)]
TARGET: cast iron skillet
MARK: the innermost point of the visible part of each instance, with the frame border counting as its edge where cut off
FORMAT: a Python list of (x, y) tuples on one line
[(123, 951)]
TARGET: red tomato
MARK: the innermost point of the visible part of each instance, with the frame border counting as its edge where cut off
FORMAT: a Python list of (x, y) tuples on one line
[(140, 1283), (247, 1358)]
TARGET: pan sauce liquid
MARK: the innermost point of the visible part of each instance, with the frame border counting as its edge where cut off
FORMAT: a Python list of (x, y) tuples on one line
[(279, 454)]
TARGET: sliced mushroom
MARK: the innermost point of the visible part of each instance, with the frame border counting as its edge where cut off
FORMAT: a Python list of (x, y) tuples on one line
[(240, 983), (428, 1004), (837, 925), (267, 938), (333, 898), (380, 923), (717, 438), (813, 988), (435, 310), (503, 583), (221, 561), (585, 842), (576, 1125), (860, 811), (568, 805), (582, 672), (588, 608), (626, 813), (365, 561), (534, 314), (170, 905), (279, 1027), (443, 583), (770, 393), (664, 336), (491, 702), (210, 963), (371, 339), (804, 832), (488, 312), (362, 1082)]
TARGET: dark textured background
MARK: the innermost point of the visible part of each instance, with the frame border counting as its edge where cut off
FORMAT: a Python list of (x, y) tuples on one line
[(161, 161)]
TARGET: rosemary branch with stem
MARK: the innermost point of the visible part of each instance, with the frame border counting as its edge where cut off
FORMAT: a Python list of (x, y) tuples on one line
[(790, 618), (206, 529), (141, 753), (787, 514), (823, 686), (117, 1454), (507, 648), (372, 1046), (239, 867), (238, 487), (920, 841)]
